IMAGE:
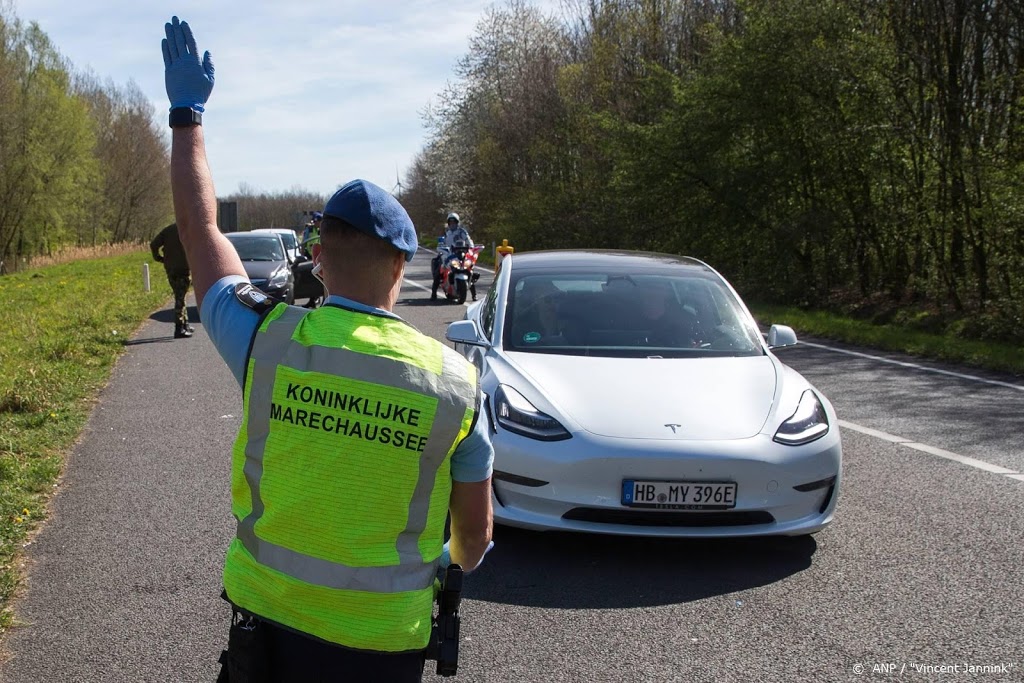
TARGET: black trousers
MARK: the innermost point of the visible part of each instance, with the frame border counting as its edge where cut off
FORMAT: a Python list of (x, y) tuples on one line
[(261, 652)]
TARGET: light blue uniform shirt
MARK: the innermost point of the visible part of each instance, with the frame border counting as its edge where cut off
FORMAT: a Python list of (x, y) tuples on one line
[(231, 325)]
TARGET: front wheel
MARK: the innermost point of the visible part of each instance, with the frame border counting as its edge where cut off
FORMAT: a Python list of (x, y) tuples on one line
[(460, 291)]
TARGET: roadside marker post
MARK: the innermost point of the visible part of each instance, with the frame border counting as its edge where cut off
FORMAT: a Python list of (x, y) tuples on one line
[(145, 277), (502, 251)]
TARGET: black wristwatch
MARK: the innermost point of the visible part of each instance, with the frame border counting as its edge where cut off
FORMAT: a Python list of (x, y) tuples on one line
[(184, 116)]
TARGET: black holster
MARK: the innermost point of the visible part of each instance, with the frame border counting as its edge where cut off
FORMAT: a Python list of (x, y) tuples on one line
[(444, 636), (247, 659)]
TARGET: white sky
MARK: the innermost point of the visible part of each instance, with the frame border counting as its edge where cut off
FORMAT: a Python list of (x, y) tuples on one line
[(308, 93)]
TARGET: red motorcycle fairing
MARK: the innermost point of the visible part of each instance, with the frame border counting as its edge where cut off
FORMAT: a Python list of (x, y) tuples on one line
[(457, 274)]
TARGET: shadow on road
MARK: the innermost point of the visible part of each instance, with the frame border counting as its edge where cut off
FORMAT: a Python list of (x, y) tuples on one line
[(151, 340), (588, 571), (167, 315)]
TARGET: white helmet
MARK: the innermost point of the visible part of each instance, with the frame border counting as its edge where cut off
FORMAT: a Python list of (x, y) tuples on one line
[(452, 216)]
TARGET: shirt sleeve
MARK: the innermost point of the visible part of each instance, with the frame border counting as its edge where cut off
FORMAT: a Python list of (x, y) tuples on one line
[(230, 323), (473, 459)]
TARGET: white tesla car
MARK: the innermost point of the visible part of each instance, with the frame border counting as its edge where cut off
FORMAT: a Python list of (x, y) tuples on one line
[(632, 393)]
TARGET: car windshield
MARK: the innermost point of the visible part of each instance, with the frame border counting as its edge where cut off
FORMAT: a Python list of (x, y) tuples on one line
[(257, 247), (693, 314)]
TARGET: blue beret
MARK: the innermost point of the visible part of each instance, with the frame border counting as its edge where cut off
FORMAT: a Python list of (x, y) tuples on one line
[(372, 210)]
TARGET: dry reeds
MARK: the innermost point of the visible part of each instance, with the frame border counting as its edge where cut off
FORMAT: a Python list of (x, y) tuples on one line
[(73, 253)]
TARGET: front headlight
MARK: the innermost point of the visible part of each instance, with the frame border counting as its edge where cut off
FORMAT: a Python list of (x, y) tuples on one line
[(808, 423), (518, 415), (279, 278)]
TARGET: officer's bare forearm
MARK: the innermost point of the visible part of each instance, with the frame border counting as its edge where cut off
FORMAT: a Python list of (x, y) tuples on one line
[(210, 255), (468, 553), (472, 521)]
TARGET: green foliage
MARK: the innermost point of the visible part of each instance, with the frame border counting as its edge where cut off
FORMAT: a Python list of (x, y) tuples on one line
[(80, 163), (823, 153), (931, 339), (61, 331)]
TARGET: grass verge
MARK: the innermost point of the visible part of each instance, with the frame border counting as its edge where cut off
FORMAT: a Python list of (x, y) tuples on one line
[(991, 356), (61, 329)]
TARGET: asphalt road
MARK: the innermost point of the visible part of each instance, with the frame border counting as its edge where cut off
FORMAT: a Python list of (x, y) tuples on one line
[(921, 569)]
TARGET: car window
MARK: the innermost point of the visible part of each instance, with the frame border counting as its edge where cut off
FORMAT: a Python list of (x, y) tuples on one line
[(290, 242), (257, 247), (692, 314)]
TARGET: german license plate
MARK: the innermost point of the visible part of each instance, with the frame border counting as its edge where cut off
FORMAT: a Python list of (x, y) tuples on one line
[(679, 495)]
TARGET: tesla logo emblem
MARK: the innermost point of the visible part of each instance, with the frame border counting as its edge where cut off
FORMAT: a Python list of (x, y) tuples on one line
[(673, 427)]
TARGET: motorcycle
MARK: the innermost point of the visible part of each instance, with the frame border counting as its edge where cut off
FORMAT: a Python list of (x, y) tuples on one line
[(457, 276)]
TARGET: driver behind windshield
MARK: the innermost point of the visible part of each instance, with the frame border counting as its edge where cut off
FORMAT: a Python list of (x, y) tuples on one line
[(664, 321), (536, 319)]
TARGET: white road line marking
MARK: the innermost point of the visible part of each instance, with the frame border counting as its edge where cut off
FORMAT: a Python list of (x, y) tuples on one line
[(932, 450), (415, 284), (981, 465), (872, 432), (915, 366)]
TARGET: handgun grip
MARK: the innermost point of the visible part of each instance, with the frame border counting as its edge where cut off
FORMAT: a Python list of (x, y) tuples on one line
[(451, 590)]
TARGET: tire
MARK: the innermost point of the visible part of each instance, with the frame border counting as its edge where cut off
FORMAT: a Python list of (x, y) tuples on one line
[(460, 291)]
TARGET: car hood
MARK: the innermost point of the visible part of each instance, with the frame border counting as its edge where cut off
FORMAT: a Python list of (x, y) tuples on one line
[(643, 398), (261, 270)]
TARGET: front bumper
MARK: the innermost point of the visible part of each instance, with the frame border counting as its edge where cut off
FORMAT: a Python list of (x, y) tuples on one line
[(575, 485)]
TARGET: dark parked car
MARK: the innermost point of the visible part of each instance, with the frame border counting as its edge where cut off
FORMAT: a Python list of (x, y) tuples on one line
[(306, 286), (288, 237), (265, 262)]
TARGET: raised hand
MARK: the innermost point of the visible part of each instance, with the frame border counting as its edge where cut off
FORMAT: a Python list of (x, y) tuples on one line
[(189, 82)]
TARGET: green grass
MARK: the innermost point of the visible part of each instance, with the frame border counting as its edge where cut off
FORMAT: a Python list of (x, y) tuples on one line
[(993, 356), (61, 329)]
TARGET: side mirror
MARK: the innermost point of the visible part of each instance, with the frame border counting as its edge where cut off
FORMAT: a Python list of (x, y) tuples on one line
[(465, 332), (781, 335)]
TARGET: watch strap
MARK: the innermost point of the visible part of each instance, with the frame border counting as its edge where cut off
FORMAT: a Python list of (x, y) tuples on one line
[(184, 116)]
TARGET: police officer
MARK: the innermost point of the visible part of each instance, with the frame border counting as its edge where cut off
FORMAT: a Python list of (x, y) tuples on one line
[(360, 434), (311, 233), (453, 233), (176, 266)]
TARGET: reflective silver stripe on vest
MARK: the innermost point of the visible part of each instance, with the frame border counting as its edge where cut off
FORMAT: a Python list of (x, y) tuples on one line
[(274, 348)]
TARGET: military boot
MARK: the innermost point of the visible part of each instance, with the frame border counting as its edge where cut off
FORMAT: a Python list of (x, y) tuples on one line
[(181, 331)]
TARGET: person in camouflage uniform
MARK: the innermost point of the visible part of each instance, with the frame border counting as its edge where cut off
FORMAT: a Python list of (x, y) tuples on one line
[(176, 265)]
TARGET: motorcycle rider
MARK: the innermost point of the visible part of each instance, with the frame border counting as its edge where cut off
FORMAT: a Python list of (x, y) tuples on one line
[(453, 233)]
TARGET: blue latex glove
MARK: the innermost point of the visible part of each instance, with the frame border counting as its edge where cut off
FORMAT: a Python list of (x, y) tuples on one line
[(446, 555), (188, 81)]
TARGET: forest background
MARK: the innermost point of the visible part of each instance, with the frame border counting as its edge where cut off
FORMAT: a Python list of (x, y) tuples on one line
[(859, 156)]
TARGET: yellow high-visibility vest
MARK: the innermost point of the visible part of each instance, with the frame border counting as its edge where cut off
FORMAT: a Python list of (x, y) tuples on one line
[(341, 475)]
